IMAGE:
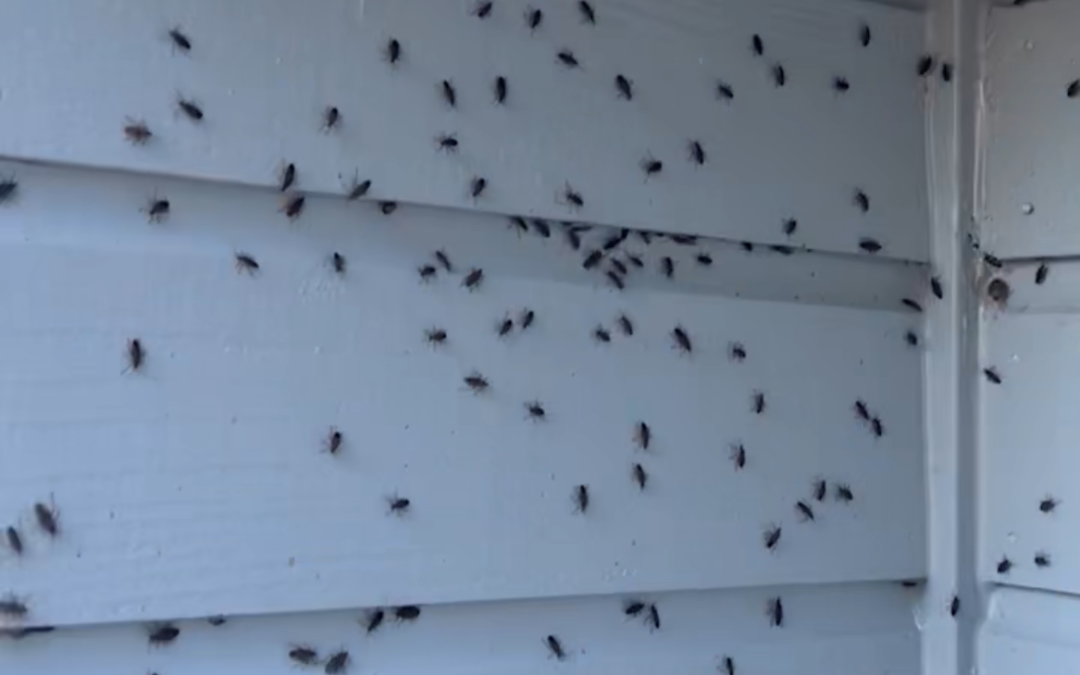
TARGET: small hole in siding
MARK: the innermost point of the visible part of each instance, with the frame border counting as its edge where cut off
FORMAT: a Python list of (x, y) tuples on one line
[(998, 290), (1027, 209)]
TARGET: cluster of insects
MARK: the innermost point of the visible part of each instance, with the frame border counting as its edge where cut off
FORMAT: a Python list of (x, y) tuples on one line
[(612, 257)]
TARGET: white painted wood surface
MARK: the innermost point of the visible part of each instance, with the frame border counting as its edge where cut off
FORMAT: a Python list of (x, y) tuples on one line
[(1030, 133), (264, 71), (1030, 632), (857, 628), (197, 486)]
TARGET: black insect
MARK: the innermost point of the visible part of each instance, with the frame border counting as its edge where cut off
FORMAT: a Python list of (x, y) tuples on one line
[(552, 642), (333, 441), (925, 65), (294, 206), (519, 224), (533, 17), (1048, 504), (992, 375), (779, 76), (473, 279), (615, 280), (771, 537), (790, 225), (13, 606), (179, 40), (619, 266), (217, 620), (541, 227), (704, 259), (869, 245), (758, 403), (435, 336), (392, 51), (526, 319), (447, 142), (651, 166), (804, 509), (616, 239), (535, 410), (911, 338), (573, 239), (820, 488), (477, 186), (337, 663), (635, 260), (136, 355), (245, 263), (862, 411), (625, 325), (157, 210), (8, 186), (946, 71), (1041, 274), (861, 201), (844, 493), (330, 118), (640, 476), (398, 505), (724, 91), (776, 612), (483, 9), (304, 655), (747, 246), (476, 382), (359, 189), (954, 606), (757, 45), (682, 340), (581, 498), (738, 456), (876, 427), (1042, 559), (567, 58), (728, 666), (190, 108), (633, 608), (373, 620), (911, 304), (697, 153), (840, 84), (644, 236), (573, 197), (587, 12), (1004, 566), (992, 260), (737, 352), (14, 540), (936, 288), (654, 617), (625, 87), (407, 613), (642, 435), (667, 266), (683, 239), (782, 250), (864, 35), (593, 259), (163, 634), (500, 90), (601, 335), (137, 132), (449, 94)]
